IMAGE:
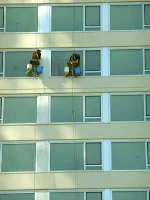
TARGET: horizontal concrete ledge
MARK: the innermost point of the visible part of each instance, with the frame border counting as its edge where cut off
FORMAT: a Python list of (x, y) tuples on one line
[(100, 131), (63, 1), (66, 180), (62, 85), (75, 40)]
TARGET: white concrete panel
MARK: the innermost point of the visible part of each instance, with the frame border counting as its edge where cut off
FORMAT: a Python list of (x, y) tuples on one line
[(105, 57), (44, 19), (42, 195), (105, 17), (45, 62), (105, 107), (42, 156), (42, 110), (106, 151)]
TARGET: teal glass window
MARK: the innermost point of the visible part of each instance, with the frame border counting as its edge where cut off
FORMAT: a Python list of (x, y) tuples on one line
[(66, 196), (125, 17), (127, 108), (17, 196), (128, 156), (20, 109), (1, 17), (129, 195), (147, 16), (93, 195), (126, 62), (66, 156), (67, 18), (1, 62), (92, 17), (22, 19), (66, 109), (18, 157)]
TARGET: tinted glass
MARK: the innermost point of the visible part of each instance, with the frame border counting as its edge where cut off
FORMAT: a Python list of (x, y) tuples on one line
[(93, 153), (92, 60), (92, 16)]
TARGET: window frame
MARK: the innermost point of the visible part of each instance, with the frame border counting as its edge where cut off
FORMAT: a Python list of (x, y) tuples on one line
[(16, 6), (129, 94), (14, 143), (134, 141), (83, 7), (84, 154), (128, 4), (76, 95), (133, 48), (16, 96)]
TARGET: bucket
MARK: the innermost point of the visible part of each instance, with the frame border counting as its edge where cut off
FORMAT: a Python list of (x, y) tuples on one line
[(66, 70), (40, 69), (77, 71), (29, 66)]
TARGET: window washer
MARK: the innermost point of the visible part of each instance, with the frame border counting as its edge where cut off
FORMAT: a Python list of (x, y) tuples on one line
[(73, 63), (35, 62)]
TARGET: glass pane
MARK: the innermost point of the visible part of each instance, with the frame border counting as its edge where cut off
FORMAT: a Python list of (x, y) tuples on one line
[(147, 14), (147, 59), (147, 118), (18, 157), (92, 60), (22, 196), (94, 168), (93, 106), (128, 155), (93, 29), (1, 75), (132, 195), (66, 157), (0, 108), (63, 107), (127, 108), (146, 27), (22, 19), (93, 153), (93, 74), (149, 193), (1, 62), (1, 17), (67, 18), (147, 105), (93, 120), (16, 63), (147, 72), (20, 109), (126, 62), (126, 17), (148, 152), (93, 196), (60, 59), (1, 30), (66, 196), (92, 16)]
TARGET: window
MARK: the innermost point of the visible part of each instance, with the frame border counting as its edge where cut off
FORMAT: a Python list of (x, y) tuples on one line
[(92, 63), (59, 61), (148, 154), (147, 61), (126, 62), (17, 196), (129, 195), (76, 195), (127, 107), (16, 67), (147, 107), (18, 157), (73, 109), (147, 16), (20, 110), (1, 19), (128, 155), (72, 18), (1, 64), (73, 156), (125, 17), (25, 22)]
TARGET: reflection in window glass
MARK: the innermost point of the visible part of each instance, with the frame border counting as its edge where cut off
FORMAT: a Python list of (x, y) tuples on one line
[(125, 17), (92, 16)]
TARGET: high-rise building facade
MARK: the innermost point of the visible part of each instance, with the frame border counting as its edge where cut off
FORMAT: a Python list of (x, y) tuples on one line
[(75, 138)]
